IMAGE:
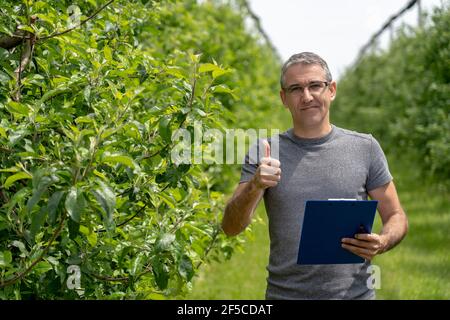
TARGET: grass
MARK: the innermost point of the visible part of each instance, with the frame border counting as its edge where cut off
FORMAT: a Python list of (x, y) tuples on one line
[(419, 268)]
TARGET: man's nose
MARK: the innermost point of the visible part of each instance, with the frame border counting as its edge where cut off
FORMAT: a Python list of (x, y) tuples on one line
[(306, 95)]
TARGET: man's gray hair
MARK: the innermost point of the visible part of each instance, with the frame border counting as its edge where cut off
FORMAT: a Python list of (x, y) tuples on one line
[(305, 58)]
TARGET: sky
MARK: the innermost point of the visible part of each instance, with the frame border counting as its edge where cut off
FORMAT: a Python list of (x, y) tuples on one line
[(334, 29)]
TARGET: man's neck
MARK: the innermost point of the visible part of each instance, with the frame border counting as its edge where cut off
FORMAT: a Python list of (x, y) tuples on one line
[(312, 133)]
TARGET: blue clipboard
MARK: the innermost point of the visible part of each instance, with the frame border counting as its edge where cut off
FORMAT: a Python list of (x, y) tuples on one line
[(326, 223)]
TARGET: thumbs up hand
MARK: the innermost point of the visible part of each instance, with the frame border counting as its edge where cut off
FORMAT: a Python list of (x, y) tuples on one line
[(268, 173)]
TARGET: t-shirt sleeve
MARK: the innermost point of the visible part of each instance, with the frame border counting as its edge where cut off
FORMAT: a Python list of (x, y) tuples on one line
[(379, 173), (251, 162)]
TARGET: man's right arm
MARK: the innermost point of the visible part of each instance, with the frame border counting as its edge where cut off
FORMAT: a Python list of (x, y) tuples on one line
[(239, 210)]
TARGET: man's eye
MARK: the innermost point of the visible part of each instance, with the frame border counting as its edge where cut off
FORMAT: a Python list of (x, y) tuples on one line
[(295, 89)]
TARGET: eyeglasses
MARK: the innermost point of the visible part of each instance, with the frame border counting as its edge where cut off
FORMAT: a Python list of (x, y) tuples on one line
[(314, 88)]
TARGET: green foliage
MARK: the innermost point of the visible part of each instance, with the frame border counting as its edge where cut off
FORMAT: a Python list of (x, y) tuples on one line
[(403, 95), (86, 132)]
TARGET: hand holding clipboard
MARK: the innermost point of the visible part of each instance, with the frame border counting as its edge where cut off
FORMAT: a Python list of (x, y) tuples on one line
[(365, 244), (328, 230)]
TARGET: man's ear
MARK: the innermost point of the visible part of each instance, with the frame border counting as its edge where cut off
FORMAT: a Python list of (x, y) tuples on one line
[(283, 97), (333, 87)]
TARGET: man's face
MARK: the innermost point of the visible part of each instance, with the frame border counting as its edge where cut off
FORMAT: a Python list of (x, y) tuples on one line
[(307, 95)]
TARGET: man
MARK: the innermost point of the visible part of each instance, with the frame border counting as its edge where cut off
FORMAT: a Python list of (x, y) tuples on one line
[(319, 161)]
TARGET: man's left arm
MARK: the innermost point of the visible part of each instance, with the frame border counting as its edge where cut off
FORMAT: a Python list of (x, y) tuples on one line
[(395, 225)]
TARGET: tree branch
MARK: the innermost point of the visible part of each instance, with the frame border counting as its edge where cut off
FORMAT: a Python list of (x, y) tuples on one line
[(56, 34), (128, 220), (3, 196), (211, 244), (9, 42), (22, 274), (119, 279), (24, 61), (3, 149), (106, 278), (157, 152), (134, 215)]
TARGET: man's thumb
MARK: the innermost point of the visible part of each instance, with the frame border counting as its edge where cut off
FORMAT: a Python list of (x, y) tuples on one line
[(266, 148)]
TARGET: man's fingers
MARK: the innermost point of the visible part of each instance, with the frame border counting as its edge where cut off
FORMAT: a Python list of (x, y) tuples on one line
[(269, 170), (356, 242), (271, 183), (274, 163), (270, 161), (365, 236), (363, 253), (265, 179)]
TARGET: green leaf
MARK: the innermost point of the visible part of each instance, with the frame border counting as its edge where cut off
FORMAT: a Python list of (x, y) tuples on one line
[(177, 72), (195, 229), (224, 89), (26, 28), (37, 194), (84, 119), (207, 67), (107, 200), (219, 72), (4, 78), (37, 222), (161, 274), (90, 235), (18, 198), (5, 258), (75, 204), (168, 200), (53, 204), (15, 107), (41, 181), (165, 241), (201, 205), (115, 158), (195, 58), (156, 296), (12, 169), (54, 92), (108, 132), (3, 133), (99, 174), (108, 53), (74, 229), (200, 112), (15, 177), (87, 94), (17, 136), (216, 70), (42, 267), (137, 264), (186, 268), (164, 129), (21, 246)]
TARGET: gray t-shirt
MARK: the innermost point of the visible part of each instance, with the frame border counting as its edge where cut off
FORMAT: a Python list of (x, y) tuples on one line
[(342, 164)]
